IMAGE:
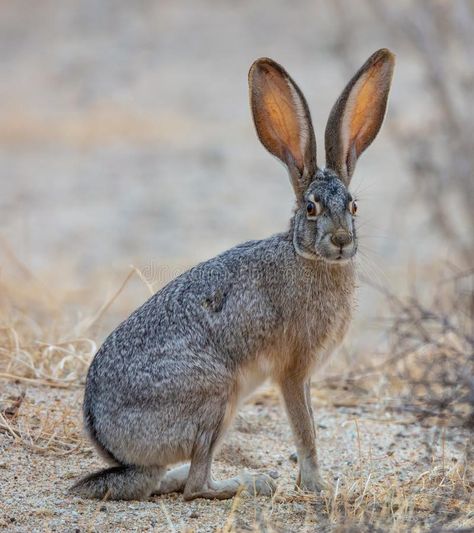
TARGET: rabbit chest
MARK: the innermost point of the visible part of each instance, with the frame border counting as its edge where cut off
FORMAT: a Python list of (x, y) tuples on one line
[(319, 306)]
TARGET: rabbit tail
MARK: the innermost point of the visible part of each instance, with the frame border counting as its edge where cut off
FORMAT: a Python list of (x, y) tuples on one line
[(124, 482)]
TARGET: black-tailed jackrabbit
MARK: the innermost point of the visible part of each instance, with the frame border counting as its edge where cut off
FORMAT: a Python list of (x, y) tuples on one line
[(166, 384)]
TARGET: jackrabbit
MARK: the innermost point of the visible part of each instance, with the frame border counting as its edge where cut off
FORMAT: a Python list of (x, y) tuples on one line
[(166, 384)]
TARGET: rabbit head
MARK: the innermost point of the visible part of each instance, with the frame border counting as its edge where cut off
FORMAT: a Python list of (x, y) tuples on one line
[(324, 220)]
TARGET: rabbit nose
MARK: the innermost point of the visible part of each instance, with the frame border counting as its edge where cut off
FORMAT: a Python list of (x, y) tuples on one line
[(341, 238)]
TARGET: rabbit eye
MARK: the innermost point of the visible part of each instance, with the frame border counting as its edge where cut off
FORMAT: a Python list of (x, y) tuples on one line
[(313, 209), (353, 207)]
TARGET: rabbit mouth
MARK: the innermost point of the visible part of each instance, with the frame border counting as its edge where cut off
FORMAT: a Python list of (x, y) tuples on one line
[(340, 259), (334, 254)]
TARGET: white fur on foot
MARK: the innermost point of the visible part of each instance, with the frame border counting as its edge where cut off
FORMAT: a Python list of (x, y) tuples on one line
[(257, 484)]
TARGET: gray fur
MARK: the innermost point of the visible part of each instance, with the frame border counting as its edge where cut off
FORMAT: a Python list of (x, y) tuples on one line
[(165, 385)]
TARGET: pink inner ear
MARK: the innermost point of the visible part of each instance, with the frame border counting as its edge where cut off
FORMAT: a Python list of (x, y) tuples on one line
[(279, 115), (365, 110)]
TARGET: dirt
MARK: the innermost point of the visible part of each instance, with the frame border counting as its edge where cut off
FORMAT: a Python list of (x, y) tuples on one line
[(366, 445)]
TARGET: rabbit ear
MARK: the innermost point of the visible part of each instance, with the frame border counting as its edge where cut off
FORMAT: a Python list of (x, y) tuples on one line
[(358, 113), (282, 121)]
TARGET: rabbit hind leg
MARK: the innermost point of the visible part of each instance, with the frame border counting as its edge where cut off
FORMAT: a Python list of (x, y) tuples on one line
[(200, 483)]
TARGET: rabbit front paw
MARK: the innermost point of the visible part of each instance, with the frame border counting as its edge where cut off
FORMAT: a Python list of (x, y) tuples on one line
[(312, 483)]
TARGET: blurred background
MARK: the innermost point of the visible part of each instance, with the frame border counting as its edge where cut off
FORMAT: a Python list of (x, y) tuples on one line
[(126, 137)]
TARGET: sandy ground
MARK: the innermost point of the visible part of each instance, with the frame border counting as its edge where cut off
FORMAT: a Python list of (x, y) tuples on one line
[(367, 447)]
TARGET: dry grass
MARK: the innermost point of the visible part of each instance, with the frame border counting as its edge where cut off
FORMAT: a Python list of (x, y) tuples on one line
[(388, 504), (46, 429), (38, 342), (433, 345), (44, 339)]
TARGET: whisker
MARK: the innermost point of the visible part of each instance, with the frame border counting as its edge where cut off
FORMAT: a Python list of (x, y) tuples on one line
[(372, 269), (365, 236)]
